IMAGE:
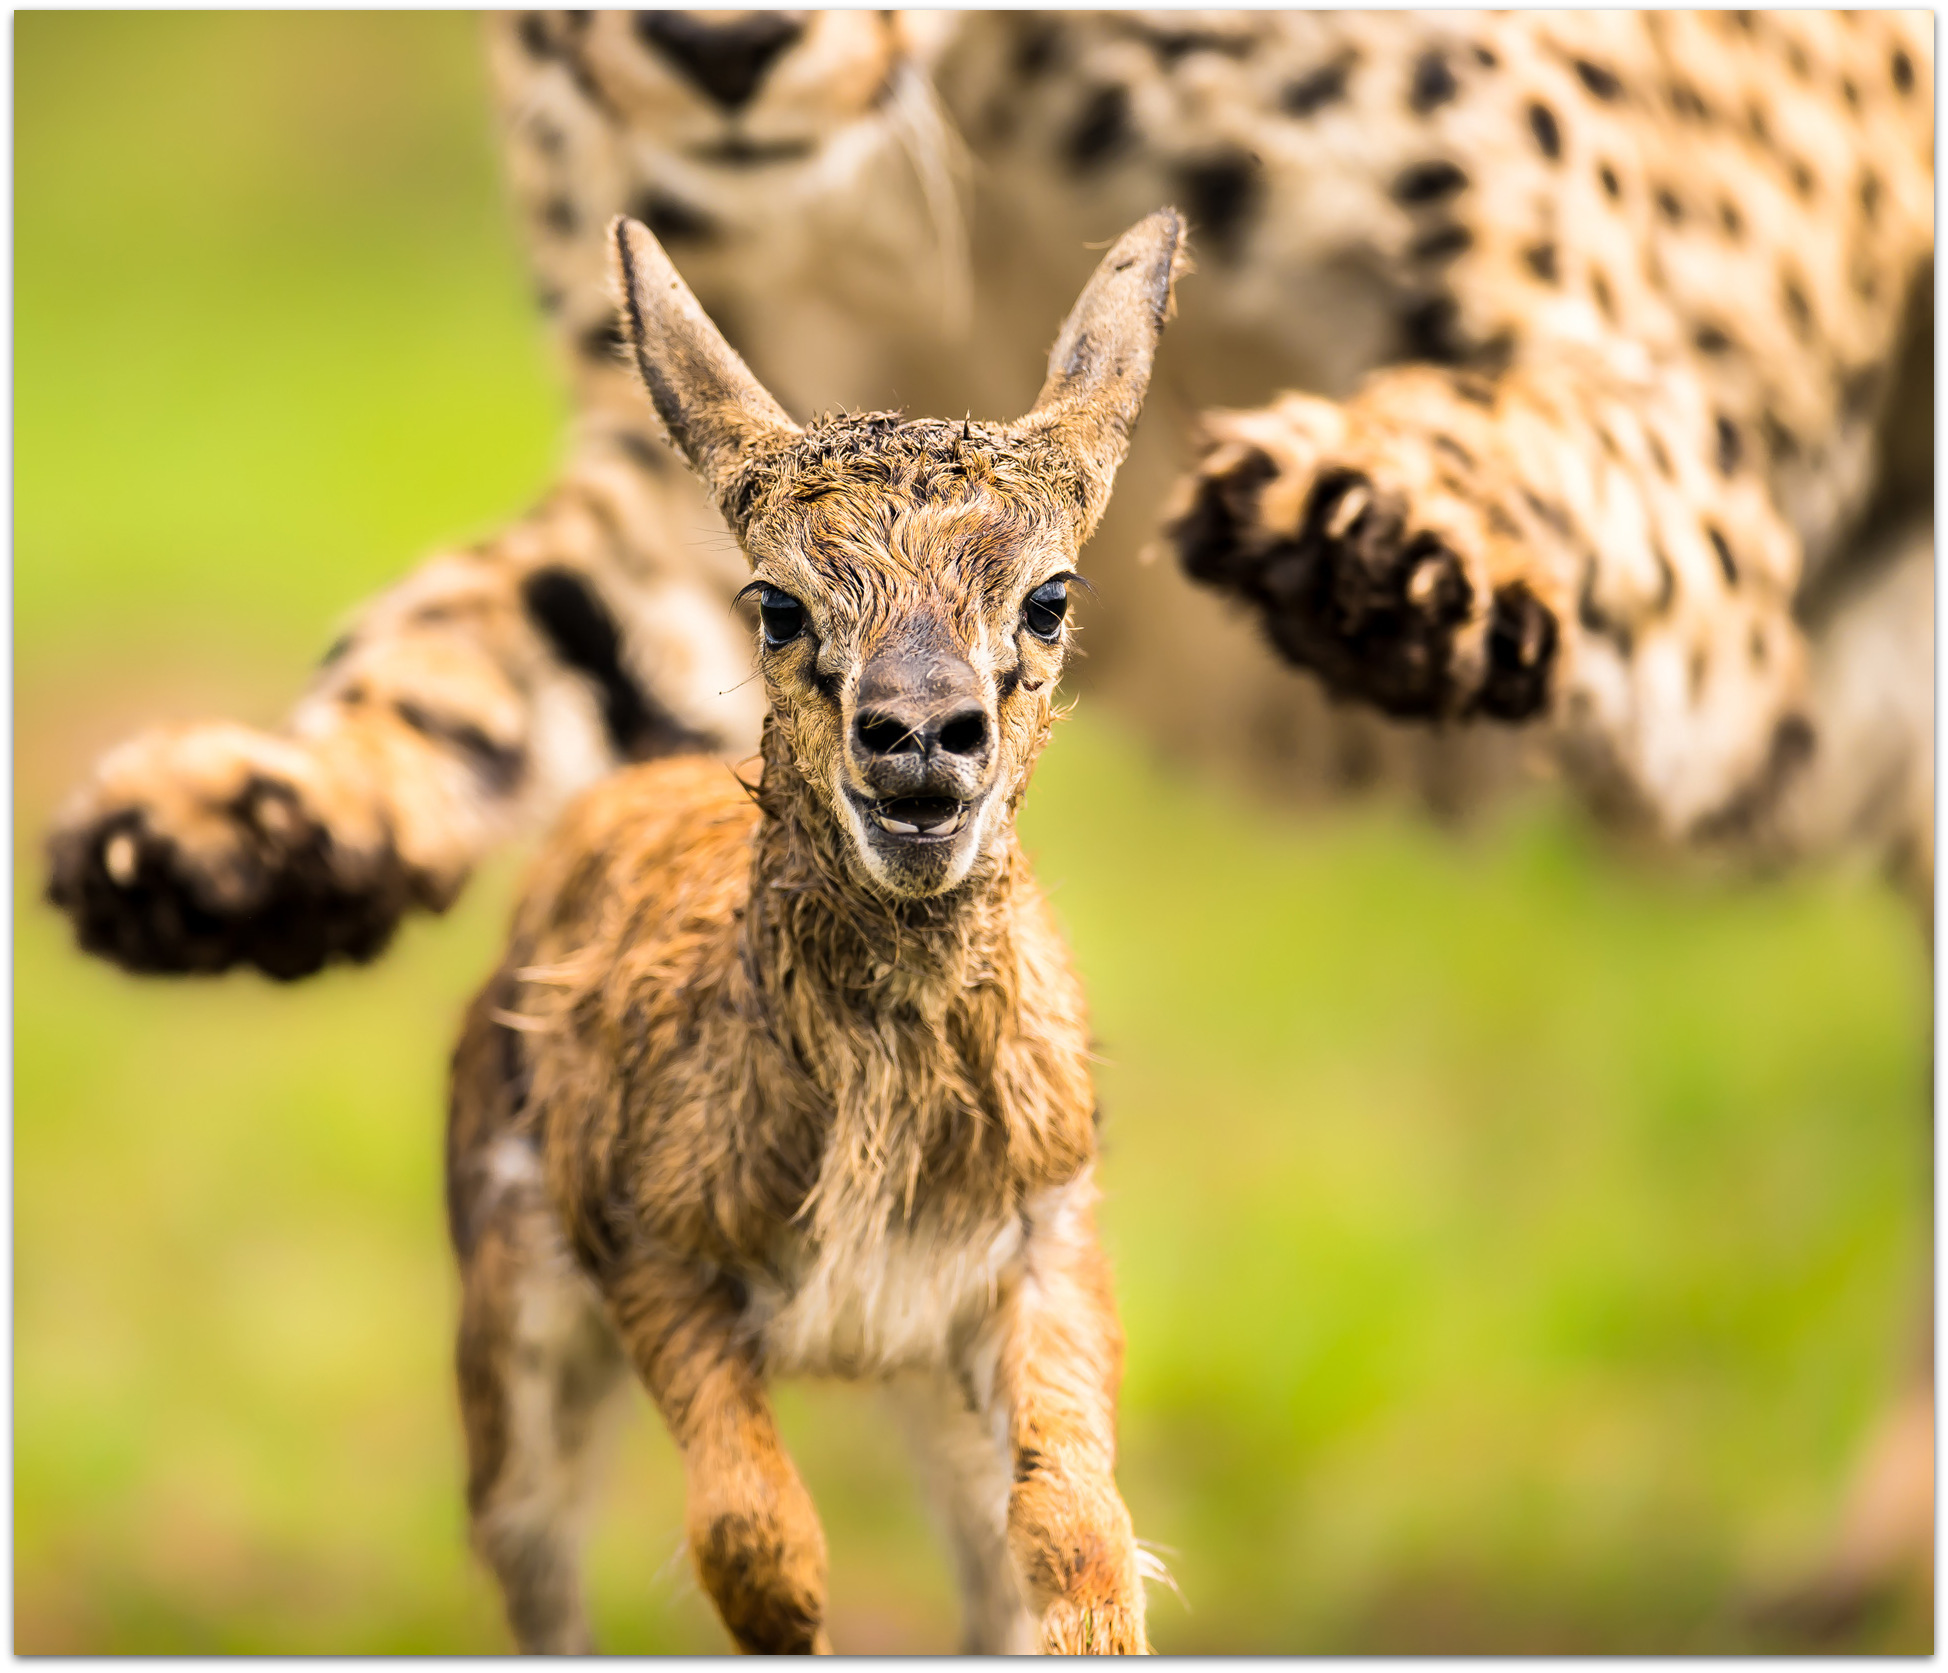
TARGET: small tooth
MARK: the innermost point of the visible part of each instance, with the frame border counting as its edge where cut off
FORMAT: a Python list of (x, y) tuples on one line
[(119, 858), (1421, 585)]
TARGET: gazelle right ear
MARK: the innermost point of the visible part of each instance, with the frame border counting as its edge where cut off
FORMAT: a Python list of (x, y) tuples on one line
[(1099, 369), (716, 411)]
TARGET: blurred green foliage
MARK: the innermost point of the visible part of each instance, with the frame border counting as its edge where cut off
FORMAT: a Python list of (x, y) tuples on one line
[(1514, 1248)]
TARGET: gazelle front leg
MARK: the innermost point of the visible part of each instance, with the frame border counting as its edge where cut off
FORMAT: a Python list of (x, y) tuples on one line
[(752, 1529), (1060, 1364)]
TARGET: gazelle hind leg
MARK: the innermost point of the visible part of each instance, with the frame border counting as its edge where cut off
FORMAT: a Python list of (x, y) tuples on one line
[(540, 1371), (963, 1460)]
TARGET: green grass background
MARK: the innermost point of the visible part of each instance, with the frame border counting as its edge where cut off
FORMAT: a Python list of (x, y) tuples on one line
[(1514, 1248)]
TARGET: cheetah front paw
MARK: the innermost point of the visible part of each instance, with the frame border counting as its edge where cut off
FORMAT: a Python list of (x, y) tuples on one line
[(193, 849), (1397, 590)]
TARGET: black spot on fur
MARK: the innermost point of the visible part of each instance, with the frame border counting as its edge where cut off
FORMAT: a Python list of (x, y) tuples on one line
[(1668, 205), (1316, 89), (1869, 194), (1797, 308), (604, 342), (1220, 192), (1903, 71), (533, 35), (1797, 61), (1431, 330), (1541, 260), (1755, 120), (1594, 620), (1729, 446), (499, 766), (1860, 390), (1170, 45), (559, 215), (1101, 130), (1659, 455), (1601, 82), (1781, 444), (672, 220), (1711, 339), (1429, 182), (1612, 186), (1687, 101), (1485, 58), (1803, 179), (1448, 445), (1547, 131), (641, 451), (1730, 219), (1035, 50), (575, 621), (1724, 551), (1433, 83), (1441, 243), (1476, 391), (1600, 289), (1850, 92)]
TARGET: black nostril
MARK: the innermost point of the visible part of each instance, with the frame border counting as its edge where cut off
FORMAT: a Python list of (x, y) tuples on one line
[(965, 734), (727, 60), (885, 734)]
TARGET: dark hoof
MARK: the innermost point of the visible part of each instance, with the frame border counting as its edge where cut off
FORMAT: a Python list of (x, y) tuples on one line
[(274, 900)]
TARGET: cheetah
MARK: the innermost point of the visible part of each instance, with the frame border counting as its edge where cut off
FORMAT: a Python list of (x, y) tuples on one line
[(1554, 393)]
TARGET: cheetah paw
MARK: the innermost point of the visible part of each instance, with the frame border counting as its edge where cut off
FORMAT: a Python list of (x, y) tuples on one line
[(197, 848), (1396, 596)]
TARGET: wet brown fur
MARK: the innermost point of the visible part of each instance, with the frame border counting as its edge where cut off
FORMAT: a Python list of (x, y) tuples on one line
[(763, 1103)]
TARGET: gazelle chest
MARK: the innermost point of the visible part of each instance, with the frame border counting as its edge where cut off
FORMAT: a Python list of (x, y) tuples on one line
[(905, 1299)]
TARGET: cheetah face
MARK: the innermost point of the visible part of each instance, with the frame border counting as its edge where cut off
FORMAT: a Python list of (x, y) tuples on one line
[(743, 95)]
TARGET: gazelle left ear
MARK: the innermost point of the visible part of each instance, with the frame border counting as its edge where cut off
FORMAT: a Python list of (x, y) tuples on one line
[(716, 412), (1099, 368)]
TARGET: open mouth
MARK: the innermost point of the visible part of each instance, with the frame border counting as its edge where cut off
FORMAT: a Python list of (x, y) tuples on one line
[(918, 817)]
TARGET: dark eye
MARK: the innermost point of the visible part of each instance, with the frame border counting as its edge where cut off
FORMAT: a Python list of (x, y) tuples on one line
[(783, 616), (1044, 609)]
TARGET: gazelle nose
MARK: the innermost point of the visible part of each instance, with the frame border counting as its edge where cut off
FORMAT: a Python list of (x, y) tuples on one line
[(918, 729), (726, 59)]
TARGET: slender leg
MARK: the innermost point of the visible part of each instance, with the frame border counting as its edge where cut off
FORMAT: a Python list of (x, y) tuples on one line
[(753, 1531), (539, 1367), (1059, 1362), (962, 1454)]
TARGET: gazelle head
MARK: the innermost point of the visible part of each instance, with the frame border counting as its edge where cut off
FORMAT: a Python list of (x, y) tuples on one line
[(912, 575)]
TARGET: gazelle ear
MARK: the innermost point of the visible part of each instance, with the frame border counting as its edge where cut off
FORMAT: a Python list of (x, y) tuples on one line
[(1100, 365), (716, 412)]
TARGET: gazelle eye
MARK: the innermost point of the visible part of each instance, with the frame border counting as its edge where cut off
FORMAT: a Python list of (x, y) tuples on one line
[(1044, 608), (783, 616)]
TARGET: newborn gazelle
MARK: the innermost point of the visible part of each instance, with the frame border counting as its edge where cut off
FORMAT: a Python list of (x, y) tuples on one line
[(798, 1081)]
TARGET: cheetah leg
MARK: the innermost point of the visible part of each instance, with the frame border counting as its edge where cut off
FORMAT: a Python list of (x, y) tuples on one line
[(1556, 545), (460, 710)]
